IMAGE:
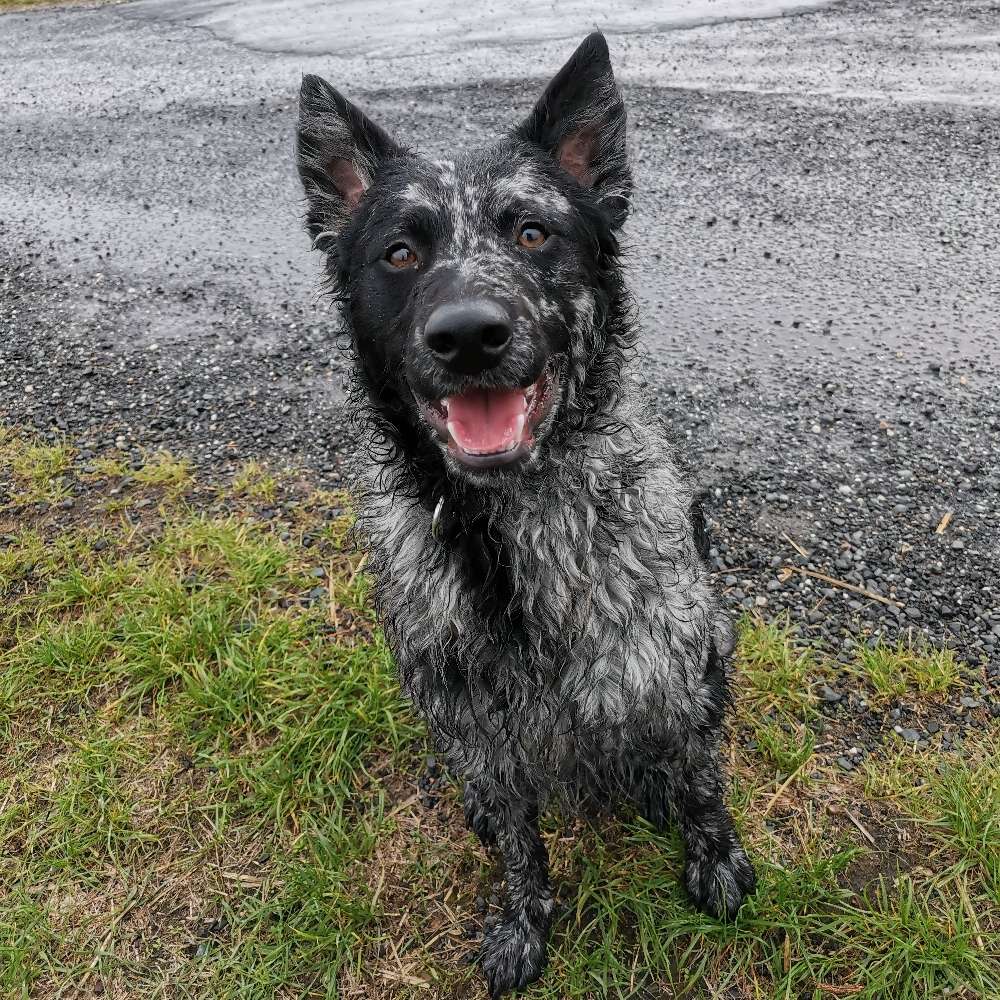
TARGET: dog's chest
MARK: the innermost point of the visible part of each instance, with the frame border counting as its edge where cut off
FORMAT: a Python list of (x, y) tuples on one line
[(548, 585), (573, 602)]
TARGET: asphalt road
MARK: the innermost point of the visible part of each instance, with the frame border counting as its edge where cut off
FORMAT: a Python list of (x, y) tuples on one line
[(815, 250)]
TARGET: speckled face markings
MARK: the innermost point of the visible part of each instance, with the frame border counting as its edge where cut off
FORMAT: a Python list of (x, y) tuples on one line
[(472, 219), (418, 196), (475, 204), (462, 217), (527, 188)]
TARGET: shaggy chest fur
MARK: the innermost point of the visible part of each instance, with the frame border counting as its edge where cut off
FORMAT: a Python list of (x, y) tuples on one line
[(589, 618)]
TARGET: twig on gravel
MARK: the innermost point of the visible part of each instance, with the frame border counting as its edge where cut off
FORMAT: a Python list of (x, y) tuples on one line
[(843, 584), (945, 521), (795, 545)]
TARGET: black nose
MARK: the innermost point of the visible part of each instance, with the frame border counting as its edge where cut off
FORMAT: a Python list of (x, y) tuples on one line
[(469, 336)]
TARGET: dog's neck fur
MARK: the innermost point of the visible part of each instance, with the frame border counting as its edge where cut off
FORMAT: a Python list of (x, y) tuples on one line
[(578, 571), (570, 565)]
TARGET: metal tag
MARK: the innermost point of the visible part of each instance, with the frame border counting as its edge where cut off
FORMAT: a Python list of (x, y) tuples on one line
[(436, 519)]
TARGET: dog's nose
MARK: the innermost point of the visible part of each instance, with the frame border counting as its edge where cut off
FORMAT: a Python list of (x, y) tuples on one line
[(470, 336)]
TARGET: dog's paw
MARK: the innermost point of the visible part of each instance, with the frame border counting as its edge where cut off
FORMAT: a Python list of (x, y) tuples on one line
[(512, 956), (718, 883)]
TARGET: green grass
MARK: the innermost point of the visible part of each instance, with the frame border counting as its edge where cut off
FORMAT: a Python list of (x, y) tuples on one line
[(207, 782), (892, 670), (253, 480), (163, 469), (777, 670), (37, 469), (785, 748)]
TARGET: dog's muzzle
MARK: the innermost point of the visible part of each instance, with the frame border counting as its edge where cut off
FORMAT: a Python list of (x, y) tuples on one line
[(487, 427)]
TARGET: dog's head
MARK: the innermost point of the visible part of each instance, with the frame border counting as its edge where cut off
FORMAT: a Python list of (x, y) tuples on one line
[(477, 288)]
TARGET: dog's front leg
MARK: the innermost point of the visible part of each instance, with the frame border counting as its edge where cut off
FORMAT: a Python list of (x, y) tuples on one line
[(717, 873), (513, 952)]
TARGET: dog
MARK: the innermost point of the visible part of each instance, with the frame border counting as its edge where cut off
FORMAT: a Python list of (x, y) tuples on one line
[(533, 542)]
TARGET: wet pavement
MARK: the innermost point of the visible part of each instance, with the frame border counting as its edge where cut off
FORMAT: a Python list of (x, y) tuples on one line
[(798, 176), (815, 248)]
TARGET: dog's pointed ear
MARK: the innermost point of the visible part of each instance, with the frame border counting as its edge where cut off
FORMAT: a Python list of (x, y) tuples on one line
[(339, 151), (580, 120)]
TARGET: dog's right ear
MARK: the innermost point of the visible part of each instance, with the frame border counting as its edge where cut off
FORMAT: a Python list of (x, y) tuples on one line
[(339, 151)]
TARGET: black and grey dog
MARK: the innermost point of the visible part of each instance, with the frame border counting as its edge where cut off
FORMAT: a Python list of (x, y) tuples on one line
[(532, 539)]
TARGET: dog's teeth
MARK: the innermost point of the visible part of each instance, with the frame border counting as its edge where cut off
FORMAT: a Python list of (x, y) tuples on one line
[(518, 427)]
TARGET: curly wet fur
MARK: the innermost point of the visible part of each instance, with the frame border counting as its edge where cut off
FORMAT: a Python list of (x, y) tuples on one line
[(554, 623)]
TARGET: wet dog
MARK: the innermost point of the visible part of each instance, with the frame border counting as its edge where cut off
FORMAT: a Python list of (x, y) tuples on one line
[(532, 539)]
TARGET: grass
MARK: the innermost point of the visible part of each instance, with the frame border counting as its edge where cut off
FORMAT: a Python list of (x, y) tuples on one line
[(777, 670), (38, 468), (163, 469), (253, 480), (892, 670), (208, 784)]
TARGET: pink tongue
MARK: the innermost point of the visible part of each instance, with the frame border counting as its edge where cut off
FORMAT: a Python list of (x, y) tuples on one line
[(487, 420)]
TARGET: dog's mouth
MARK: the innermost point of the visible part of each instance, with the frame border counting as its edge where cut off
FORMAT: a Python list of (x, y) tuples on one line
[(486, 427)]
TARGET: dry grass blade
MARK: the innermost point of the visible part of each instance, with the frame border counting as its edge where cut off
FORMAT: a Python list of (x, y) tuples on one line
[(794, 544), (783, 787), (837, 810), (405, 978)]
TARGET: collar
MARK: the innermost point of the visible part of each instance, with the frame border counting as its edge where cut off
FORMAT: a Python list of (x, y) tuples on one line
[(445, 522), (448, 526)]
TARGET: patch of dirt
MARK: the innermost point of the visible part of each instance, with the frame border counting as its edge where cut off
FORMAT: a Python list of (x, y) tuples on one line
[(436, 914), (893, 844)]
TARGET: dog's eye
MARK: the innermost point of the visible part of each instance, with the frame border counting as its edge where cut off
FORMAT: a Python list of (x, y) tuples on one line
[(400, 255), (531, 235)]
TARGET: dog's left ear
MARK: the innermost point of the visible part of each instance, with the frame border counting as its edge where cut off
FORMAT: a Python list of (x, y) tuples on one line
[(580, 120)]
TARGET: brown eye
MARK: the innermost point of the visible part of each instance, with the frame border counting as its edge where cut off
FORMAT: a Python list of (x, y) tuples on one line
[(531, 236), (400, 255)]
